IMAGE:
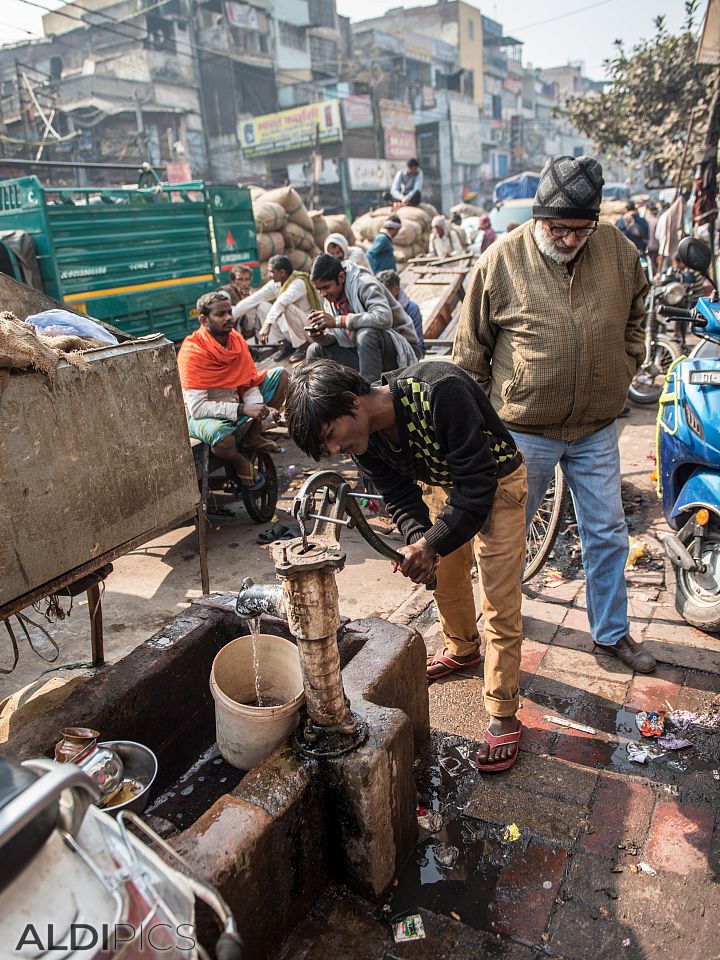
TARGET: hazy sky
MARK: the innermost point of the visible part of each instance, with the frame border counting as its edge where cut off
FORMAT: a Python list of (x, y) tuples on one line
[(570, 29)]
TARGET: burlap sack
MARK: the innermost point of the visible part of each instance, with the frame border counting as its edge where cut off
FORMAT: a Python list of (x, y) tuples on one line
[(20, 347), (289, 198), (339, 223), (429, 209), (257, 193), (320, 227), (269, 217), (408, 234), (416, 215), (270, 245), (300, 260), (364, 228), (298, 239), (467, 210)]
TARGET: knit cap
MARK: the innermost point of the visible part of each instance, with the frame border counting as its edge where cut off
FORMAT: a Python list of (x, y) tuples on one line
[(569, 187)]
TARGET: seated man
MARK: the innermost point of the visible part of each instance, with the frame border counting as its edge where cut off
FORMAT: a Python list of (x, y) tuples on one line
[(406, 189), (238, 285), (225, 396), (444, 241), (283, 303), (434, 424), (362, 326), (391, 281), (337, 246), (238, 288)]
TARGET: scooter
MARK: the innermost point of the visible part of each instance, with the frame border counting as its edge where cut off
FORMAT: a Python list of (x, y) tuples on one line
[(688, 438)]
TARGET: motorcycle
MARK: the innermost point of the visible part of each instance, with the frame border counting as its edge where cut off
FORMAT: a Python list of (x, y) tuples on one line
[(688, 457), (76, 883)]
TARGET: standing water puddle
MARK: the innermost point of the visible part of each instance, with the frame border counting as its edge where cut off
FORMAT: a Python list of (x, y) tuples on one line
[(456, 871)]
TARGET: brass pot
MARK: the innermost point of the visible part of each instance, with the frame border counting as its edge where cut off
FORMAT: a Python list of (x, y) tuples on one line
[(74, 742)]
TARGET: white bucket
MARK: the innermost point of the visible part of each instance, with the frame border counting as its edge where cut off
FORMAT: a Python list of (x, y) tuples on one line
[(247, 734)]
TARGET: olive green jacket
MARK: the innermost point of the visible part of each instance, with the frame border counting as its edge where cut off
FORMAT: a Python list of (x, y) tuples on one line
[(556, 351)]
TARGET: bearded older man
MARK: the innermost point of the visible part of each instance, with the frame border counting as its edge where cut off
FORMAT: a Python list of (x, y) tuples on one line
[(551, 329)]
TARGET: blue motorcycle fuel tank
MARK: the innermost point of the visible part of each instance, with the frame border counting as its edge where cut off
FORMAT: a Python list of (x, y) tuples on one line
[(689, 429)]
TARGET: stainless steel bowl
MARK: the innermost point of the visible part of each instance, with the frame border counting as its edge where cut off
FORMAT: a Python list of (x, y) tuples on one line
[(139, 762)]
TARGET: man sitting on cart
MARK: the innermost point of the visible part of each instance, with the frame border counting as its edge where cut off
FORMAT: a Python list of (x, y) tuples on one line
[(225, 395)]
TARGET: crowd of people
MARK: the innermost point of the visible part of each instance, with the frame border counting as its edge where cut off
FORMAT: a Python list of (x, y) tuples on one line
[(462, 453)]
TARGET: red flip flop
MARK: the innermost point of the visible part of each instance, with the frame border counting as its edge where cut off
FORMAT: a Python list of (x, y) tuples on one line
[(451, 665), (493, 741)]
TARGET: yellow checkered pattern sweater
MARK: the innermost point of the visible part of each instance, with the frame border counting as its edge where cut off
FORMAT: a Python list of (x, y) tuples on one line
[(450, 437)]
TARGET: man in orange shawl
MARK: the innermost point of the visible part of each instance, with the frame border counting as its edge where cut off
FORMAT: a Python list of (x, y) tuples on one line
[(225, 396)]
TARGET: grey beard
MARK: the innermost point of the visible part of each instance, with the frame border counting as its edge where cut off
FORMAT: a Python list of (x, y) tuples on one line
[(548, 248)]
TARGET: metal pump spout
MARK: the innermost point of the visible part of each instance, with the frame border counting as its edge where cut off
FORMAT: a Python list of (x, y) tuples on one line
[(254, 599)]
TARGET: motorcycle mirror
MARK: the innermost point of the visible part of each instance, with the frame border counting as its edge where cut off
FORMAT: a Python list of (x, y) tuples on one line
[(695, 254)]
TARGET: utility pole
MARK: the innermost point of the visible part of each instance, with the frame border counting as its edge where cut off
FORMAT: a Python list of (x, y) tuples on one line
[(195, 56), (23, 105)]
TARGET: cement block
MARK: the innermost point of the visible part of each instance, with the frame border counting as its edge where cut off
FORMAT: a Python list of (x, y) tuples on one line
[(373, 800), (390, 671), (265, 847)]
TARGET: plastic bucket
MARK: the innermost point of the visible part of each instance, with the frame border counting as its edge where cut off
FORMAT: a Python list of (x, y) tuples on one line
[(247, 734)]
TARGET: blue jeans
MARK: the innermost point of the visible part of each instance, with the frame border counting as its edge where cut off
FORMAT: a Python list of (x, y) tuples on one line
[(592, 469)]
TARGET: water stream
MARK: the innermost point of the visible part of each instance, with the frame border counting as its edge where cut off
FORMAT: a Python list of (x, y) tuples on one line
[(254, 626)]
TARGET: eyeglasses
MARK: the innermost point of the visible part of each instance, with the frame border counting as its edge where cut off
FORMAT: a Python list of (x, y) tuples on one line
[(560, 230)]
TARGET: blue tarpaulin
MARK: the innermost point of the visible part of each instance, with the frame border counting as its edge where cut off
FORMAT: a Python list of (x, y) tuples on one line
[(519, 187)]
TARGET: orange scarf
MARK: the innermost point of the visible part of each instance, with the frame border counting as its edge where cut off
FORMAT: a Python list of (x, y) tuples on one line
[(205, 364)]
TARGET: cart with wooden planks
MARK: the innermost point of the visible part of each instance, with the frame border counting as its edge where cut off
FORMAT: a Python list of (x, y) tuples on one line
[(437, 285)]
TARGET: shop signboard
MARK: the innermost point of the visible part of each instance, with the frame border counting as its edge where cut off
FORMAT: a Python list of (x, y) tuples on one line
[(291, 129), (372, 174), (357, 112)]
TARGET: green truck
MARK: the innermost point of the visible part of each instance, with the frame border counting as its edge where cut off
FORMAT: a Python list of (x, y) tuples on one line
[(136, 257)]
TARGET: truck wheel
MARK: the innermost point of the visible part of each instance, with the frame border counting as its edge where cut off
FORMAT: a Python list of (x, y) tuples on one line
[(697, 596), (261, 504)]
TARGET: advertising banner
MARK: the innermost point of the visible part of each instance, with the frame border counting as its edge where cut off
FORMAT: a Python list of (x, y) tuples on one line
[(357, 112), (398, 129), (466, 133), (373, 174), (291, 129), (301, 174)]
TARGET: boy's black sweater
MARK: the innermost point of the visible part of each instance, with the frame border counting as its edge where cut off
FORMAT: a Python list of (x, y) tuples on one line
[(450, 436)]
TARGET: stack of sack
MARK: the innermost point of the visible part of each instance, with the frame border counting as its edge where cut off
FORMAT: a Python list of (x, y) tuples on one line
[(412, 238), (284, 226)]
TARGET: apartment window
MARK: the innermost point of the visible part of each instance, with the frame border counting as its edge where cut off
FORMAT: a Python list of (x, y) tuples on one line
[(292, 36), (471, 29), (322, 13), (323, 52)]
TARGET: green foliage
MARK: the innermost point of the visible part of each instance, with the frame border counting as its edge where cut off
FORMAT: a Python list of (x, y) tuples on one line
[(646, 107)]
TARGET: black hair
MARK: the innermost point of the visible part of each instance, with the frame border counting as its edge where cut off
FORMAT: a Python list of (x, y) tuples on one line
[(280, 263), (390, 277), (319, 392), (208, 299), (326, 267), (412, 162), (240, 270)]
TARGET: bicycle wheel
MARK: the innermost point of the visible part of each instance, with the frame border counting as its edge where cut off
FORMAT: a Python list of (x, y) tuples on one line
[(648, 381), (260, 504), (545, 525)]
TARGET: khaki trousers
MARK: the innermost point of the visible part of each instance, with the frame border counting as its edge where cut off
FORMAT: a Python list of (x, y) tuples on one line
[(500, 553)]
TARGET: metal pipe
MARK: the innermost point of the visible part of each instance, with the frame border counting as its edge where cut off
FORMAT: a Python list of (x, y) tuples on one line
[(254, 599)]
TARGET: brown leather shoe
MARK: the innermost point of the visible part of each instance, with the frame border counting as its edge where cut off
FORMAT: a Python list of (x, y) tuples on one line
[(632, 654)]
